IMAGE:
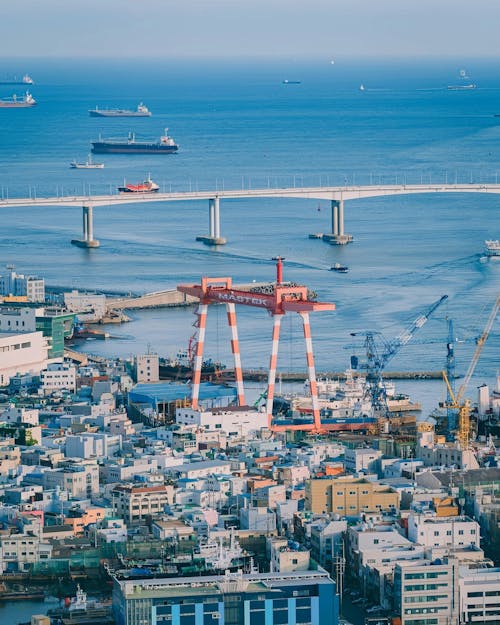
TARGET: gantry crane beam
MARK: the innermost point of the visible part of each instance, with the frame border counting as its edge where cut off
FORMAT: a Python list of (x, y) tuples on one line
[(284, 299)]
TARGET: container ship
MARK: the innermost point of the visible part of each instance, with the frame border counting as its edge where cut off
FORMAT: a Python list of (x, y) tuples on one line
[(130, 145), (141, 111), (18, 102)]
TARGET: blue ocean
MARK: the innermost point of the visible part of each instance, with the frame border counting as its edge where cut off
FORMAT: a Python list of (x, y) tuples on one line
[(239, 126)]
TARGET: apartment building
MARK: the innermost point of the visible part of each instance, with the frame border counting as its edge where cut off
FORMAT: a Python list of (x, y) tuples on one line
[(133, 503), (348, 496), (22, 353), (426, 593)]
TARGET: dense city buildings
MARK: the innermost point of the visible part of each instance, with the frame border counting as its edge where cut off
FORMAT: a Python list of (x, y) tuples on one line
[(202, 513)]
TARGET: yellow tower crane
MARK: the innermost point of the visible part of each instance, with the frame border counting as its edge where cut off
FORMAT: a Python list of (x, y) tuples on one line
[(463, 434)]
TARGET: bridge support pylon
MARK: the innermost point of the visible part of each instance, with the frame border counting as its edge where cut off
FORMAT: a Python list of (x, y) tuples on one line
[(338, 236), (88, 229), (214, 237)]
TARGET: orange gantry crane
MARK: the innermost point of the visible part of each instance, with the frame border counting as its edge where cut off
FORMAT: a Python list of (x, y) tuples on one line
[(283, 297)]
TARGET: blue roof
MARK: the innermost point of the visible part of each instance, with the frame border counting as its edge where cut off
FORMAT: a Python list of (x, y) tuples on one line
[(165, 392)]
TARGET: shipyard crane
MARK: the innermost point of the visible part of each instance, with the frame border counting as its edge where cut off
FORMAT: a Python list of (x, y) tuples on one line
[(379, 351), (455, 402), (278, 299)]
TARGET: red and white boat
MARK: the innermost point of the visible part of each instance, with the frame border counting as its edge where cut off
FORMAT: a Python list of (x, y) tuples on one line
[(148, 186)]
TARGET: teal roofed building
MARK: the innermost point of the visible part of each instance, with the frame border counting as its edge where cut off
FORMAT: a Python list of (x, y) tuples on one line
[(57, 325)]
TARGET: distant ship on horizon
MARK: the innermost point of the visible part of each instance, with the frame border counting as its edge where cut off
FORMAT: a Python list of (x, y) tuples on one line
[(25, 80), (466, 83), (291, 82), (141, 111)]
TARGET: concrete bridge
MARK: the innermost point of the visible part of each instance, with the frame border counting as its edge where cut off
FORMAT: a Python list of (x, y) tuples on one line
[(336, 194)]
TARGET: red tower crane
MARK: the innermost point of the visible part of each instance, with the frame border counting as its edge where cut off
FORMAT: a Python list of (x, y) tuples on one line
[(281, 298)]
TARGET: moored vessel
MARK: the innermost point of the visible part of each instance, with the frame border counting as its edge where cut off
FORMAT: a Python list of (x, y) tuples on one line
[(141, 111), (130, 145), (148, 186), (345, 406), (18, 101)]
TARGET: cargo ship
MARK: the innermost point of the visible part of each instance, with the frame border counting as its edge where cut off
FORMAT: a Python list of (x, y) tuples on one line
[(130, 145), (25, 80), (18, 102), (148, 186), (141, 111)]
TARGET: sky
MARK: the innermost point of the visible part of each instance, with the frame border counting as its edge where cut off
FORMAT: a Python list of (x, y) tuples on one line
[(299, 29)]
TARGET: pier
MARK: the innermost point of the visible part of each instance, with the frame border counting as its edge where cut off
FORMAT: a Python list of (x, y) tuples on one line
[(260, 375), (337, 195)]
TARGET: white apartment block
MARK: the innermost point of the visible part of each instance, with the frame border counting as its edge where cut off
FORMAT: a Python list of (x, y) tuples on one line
[(236, 422), (22, 353), (80, 481), (202, 469), (57, 377), (147, 368), (20, 415), (25, 286), (89, 445), (479, 591), (432, 531), (361, 459), (18, 319)]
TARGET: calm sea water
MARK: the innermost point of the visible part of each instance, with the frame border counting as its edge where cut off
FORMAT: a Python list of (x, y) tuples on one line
[(239, 126)]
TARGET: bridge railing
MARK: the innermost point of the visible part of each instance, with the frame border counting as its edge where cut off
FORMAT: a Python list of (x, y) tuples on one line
[(72, 187)]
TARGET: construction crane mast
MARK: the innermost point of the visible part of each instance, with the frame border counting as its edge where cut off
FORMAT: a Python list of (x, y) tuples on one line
[(451, 413), (464, 428), (379, 351)]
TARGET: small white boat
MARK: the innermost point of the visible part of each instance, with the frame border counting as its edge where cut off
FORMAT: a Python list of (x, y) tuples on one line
[(89, 164), (492, 248), (361, 87)]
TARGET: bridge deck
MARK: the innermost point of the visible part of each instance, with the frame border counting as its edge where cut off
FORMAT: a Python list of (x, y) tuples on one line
[(318, 193)]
